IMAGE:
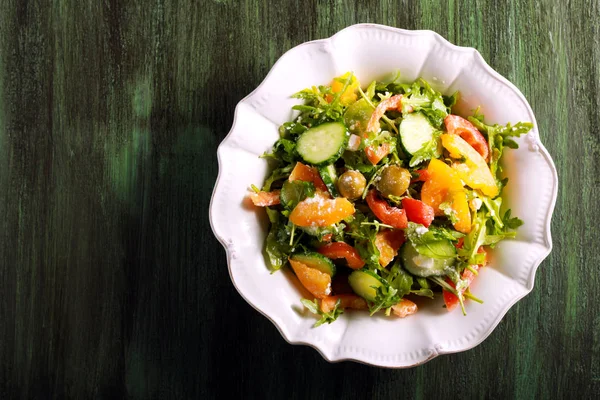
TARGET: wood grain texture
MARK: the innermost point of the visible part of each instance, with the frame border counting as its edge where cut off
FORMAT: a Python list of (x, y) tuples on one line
[(111, 282)]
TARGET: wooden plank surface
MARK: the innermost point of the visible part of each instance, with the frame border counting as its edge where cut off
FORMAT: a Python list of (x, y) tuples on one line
[(111, 282)]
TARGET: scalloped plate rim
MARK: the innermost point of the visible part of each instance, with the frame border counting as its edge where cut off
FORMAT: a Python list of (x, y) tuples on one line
[(434, 352)]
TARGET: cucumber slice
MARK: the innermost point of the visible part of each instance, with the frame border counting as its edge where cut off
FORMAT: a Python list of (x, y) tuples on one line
[(323, 144), (423, 266), (365, 283), (329, 176), (415, 132), (357, 116), (316, 261)]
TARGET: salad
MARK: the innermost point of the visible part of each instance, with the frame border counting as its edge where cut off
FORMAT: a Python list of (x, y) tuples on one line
[(380, 195)]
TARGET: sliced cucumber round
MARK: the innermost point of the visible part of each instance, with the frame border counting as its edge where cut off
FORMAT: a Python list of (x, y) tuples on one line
[(415, 132), (323, 144), (329, 176), (423, 266), (316, 261), (365, 283)]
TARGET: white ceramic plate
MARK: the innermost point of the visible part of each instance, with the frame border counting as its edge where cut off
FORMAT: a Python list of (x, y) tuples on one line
[(372, 52)]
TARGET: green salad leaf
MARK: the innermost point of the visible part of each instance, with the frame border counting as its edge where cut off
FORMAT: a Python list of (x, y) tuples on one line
[(276, 251), (430, 242), (431, 150), (386, 297), (326, 317), (399, 279), (498, 137), (420, 96), (294, 192)]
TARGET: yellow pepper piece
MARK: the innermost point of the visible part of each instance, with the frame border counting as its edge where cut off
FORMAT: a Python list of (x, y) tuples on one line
[(349, 96), (474, 171), (444, 186)]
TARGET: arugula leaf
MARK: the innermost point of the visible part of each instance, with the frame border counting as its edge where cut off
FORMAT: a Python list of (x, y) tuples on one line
[(357, 160), (328, 317), (276, 251), (274, 254), (337, 230), (474, 240), (498, 136), (276, 175), (442, 232), (375, 140), (420, 96), (430, 243), (294, 192), (292, 129), (364, 238), (507, 231), (400, 280), (370, 92), (386, 297), (316, 109), (427, 152), (493, 207)]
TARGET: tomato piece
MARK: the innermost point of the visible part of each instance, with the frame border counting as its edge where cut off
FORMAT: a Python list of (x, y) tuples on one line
[(265, 199), (423, 176), (374, 155), (417, 211), (387, 214), (343, 250), (393, 103), (404, 308), (307, 173), (316, 282), (321, 211), (346, 301), (459, 126), (388, 242)]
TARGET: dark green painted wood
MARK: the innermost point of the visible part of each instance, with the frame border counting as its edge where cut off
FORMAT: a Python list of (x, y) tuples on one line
[(111, 283)]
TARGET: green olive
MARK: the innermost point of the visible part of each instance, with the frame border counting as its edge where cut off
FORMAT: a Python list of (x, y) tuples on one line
[(351, 184), (394, 181)]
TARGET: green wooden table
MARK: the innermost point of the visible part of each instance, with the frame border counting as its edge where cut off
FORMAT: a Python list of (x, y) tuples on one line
[(111, 282)]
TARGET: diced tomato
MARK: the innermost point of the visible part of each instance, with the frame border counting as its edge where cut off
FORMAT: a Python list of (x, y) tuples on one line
[(346, 301), (459, 126), (327, 238), (417, 211), (374, 155), (265, 199), (404, 308), (388, 242), (307, 173), (321, 211), (423, 176), (343, 250), (387, 214), (451, 299)]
